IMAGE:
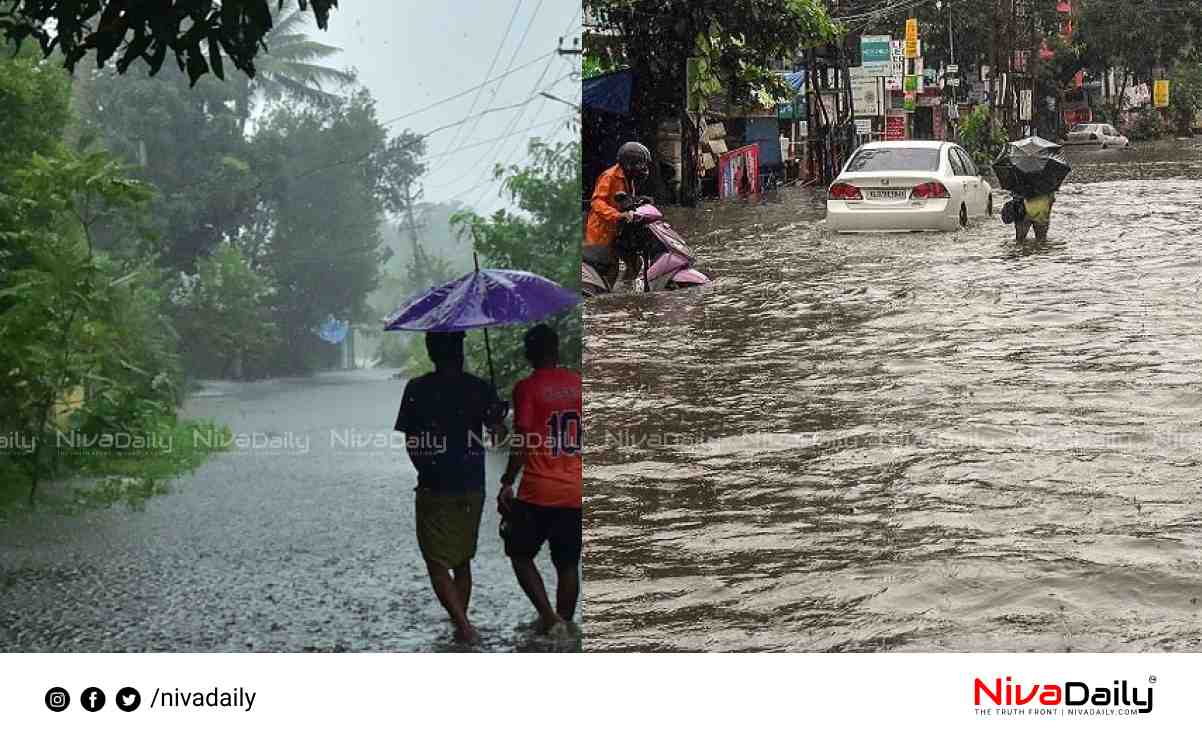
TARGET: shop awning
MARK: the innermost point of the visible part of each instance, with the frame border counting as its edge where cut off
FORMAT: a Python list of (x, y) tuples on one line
[(610, 92)]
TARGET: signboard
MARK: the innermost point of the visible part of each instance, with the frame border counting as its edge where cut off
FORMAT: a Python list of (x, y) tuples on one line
[(1025, 105), (911, 85), (912, 29), (739, 172), (912, 49), (895, 128), (876, 55), (897, 54), (911, 101), (1160, 94), (791, 111), (1137, 95), (952, 69), (865, 93), (863, 126), (898, 57)]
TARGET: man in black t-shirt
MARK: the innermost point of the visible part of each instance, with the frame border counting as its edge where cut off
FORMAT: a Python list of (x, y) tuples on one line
[(443, 415)]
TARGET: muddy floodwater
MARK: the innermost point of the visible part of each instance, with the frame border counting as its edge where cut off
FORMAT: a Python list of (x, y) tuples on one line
[(301, 537), (908, 442)]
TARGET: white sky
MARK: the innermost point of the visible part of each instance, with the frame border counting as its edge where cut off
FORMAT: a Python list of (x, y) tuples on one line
[(412, 54)]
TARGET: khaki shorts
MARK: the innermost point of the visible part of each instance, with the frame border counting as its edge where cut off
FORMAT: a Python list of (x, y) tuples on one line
[(448, 525)]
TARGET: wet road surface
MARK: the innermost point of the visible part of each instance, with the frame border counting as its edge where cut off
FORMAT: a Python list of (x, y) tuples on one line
[(297, 542), (915, 442)]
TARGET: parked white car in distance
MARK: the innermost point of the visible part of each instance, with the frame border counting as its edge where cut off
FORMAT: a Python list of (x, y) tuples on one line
[(907, 186), (1102, 134)]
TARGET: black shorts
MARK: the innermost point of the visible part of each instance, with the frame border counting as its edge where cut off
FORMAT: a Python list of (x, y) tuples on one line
[(527, 526)]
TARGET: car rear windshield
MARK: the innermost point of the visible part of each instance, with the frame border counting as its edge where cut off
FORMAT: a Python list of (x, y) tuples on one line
[(1083, 127), (900, 158)]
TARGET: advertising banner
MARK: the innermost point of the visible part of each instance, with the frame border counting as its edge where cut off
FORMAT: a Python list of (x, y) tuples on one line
[(739, 172), (1160, 94)]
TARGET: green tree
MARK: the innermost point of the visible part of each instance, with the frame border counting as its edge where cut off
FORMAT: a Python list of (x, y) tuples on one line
[(542, 235), (329, 174), (289, 67), (198, 34), (34, 108), (1185, 95), (61, 318), (223, 311), (189, 144)]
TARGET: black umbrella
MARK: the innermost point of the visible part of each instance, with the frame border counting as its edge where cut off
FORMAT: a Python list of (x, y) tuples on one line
[(1031, 167)]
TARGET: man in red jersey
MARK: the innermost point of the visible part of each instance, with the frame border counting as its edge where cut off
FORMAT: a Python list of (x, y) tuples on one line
[(547, 506)]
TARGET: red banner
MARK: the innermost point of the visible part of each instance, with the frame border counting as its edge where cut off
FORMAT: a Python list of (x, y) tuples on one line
[(739, 172)]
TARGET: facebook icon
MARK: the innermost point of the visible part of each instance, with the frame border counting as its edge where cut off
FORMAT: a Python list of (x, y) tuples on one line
[(92, 699)]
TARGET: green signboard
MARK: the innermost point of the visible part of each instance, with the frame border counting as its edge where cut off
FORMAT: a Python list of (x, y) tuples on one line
[(792, 111), (911, 85), (875, 55)]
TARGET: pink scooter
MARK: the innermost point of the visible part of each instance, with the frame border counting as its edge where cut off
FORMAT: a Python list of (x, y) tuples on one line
[(667, 260)]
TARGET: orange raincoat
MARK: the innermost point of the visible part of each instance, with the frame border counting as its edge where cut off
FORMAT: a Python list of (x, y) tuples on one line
[(604, 214)]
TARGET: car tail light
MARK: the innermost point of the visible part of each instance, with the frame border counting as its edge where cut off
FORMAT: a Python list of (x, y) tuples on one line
[(845, 192), (932, 190)]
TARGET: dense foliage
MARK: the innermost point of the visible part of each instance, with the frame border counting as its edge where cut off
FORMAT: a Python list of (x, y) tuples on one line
[(982, 137), (82, 342), (198, 33)]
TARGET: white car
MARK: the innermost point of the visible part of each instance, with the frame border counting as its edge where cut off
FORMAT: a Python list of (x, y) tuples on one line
[(907, 186), (1103, 134)]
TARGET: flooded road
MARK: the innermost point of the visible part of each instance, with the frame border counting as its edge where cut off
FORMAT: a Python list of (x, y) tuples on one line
[(915, 442), (299, 538)]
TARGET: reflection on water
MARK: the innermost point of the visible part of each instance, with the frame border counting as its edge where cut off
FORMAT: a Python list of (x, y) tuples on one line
[(917, 442)]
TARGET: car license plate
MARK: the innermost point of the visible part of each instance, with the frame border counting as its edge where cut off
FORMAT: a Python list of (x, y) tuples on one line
[(887, 194)]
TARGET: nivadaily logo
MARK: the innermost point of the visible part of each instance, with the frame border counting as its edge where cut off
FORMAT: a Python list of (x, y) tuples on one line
[(1063, 698)]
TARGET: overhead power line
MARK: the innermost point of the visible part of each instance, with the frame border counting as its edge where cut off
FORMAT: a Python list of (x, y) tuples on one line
[(469, 91), (503, 137), (504, 37)]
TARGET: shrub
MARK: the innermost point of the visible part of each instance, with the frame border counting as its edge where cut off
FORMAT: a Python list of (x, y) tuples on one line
[(983, 137)]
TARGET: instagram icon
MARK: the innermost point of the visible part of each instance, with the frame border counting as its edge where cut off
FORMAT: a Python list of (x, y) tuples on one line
[(57, 699)]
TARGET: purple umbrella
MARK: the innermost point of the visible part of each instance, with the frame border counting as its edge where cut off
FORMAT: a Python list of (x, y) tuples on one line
[(483, 299)]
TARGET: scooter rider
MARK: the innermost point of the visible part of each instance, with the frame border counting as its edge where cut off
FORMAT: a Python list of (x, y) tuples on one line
[(606, 217)]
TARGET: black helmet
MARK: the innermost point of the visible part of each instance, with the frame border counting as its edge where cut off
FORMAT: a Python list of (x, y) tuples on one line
[(635, 159)]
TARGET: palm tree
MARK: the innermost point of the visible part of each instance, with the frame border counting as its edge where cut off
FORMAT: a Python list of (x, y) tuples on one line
[(290, 66)]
